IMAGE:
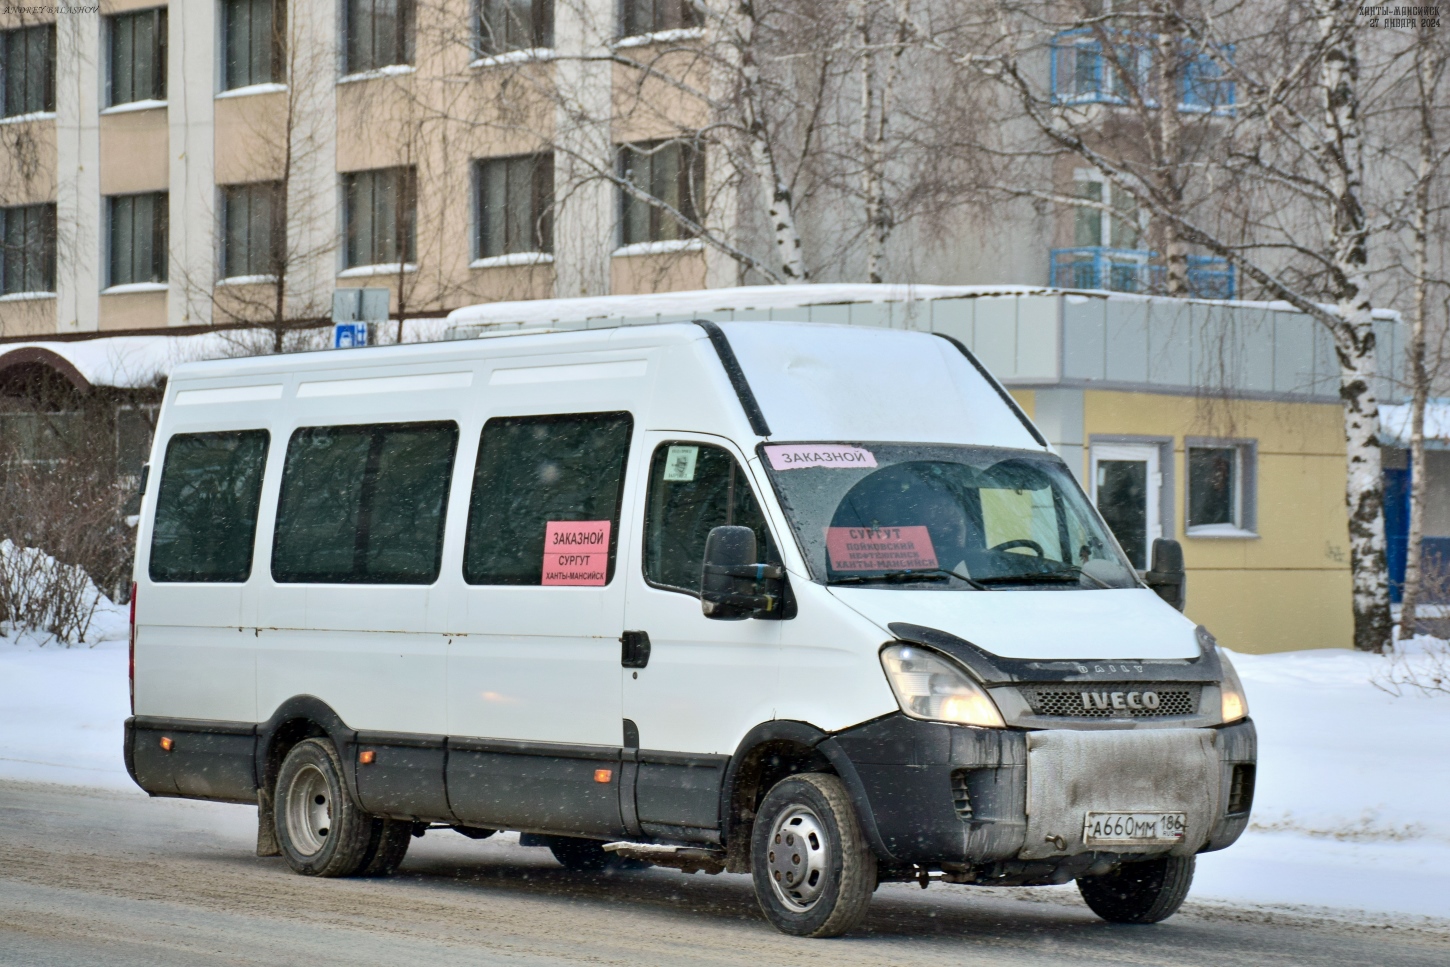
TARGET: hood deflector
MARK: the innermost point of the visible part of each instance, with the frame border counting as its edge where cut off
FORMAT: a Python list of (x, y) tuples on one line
[(993, 670)]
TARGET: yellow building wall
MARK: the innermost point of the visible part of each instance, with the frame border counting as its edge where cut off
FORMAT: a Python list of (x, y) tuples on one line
[(1289, 587)]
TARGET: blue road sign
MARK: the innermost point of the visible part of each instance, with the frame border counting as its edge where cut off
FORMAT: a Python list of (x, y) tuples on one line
[(347, 335)]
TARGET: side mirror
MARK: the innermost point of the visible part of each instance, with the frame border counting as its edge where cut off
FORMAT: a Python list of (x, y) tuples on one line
[(731, 579), (1166, 576)]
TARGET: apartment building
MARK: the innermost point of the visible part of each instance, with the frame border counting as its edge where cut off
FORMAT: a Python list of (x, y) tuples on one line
[(233, 161)]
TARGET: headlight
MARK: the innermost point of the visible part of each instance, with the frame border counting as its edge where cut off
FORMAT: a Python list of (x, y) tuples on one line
[(928, 686), (1235, 705)]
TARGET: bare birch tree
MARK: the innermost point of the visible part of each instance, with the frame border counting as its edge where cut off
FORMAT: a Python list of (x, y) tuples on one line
[(1285, 168), (1427, 211)]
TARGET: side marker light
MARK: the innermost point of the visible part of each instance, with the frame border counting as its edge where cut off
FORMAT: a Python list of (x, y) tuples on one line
[(366, 757), (166, 743), (603, 775)]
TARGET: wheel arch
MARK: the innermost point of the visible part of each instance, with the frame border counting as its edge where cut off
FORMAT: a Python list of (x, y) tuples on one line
[(770, 752), (303, 717)]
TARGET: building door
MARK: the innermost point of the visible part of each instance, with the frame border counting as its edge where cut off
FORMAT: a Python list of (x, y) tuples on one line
[(1126, 484)]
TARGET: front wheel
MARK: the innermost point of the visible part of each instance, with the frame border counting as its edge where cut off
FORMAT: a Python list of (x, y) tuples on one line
[(814, 872), (1142, 892)]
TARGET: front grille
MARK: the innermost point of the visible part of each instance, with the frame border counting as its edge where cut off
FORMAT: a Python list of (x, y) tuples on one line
[(961, 798), (1108, 700)]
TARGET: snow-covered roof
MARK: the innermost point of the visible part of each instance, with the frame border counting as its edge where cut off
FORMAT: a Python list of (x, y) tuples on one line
[(1395, 424), (135, 362), (746, 298), (758, 298)]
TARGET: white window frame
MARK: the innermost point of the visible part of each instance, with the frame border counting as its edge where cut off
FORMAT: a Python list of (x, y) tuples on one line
[(1245, 498)]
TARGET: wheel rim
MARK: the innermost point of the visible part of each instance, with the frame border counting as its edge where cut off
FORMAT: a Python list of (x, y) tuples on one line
[(309, 810), (799, 858)]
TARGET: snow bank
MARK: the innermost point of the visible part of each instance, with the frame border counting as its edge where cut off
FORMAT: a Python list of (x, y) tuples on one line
[(1350, 811), (62, 709)]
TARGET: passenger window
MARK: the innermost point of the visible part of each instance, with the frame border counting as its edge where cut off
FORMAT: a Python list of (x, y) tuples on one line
[(554, 479), (364, 504), (692, 488), (206, 506)]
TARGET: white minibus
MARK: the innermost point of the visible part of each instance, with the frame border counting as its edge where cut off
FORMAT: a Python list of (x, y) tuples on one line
[(814, 603)]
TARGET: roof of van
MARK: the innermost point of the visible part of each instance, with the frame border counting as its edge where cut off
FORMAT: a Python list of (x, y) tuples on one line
[(790, 380)]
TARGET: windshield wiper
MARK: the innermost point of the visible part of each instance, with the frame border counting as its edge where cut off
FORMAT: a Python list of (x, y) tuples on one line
[(1058, 576), (913, 574)]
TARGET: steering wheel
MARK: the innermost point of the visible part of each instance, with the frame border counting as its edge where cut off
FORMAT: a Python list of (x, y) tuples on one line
[(1020, 542)]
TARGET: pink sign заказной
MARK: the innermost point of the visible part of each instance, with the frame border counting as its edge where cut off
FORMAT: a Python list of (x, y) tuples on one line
[(796, 456), (576, 553), (880, 548)]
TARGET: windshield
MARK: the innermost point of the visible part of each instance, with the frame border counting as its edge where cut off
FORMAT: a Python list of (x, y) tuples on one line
[(879, 513)]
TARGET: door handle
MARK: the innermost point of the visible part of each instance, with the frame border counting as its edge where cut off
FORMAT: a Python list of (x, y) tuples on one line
[(634, 649)]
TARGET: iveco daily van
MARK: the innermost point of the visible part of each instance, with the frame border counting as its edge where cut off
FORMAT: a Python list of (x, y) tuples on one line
[(810, 602)]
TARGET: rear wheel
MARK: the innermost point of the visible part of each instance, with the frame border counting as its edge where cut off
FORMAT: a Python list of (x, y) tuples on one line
[(1143, 892), (814, 872), (392, 838), (321, 831), (589, 856)]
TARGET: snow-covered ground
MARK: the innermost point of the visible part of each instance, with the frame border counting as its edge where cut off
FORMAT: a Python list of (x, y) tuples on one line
[(1352, 809)]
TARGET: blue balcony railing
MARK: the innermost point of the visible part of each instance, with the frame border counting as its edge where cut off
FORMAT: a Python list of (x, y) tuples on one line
[(1134, 270), (1081, 73)]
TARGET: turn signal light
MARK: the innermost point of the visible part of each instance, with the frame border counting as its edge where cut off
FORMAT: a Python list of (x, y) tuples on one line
[(603, 775), (166, 743), (366, 757)]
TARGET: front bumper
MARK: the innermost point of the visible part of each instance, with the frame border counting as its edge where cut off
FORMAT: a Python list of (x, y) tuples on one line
[(952, 797)]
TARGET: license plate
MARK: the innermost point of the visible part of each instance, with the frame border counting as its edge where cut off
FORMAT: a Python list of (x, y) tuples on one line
[(1107, 828)]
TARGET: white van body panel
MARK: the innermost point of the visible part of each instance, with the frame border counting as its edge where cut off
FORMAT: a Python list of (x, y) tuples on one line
[(535, 663), (1123, 623), (852, 386)]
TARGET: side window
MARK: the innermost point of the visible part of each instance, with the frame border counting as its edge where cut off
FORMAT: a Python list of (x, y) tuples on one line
[(692, 488), (206, 506), (546, 496), (364, 504)]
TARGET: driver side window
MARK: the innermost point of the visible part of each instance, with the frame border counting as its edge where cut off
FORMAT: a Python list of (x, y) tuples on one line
[(692, 488)]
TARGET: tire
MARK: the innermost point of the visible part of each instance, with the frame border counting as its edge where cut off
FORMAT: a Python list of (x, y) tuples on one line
[(824, 889), (589, 856), (392, 838), (1143, 892), (321, 831)]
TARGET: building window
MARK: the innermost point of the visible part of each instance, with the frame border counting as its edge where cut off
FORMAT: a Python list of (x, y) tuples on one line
[(137, 57), (27, 258), (671, 171), (138, 238), (1093, 226), (505, 25), (1221, 488), (27, 71), (252, 229), (254, 32), (379, 34), (378, 216), (515, 205), (639, 17)]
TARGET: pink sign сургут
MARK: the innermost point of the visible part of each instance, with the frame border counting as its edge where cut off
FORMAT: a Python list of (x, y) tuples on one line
[(879, 548), (576, 552)]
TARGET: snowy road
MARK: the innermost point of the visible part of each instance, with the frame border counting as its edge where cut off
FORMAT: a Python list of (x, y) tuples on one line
[(98, 877)]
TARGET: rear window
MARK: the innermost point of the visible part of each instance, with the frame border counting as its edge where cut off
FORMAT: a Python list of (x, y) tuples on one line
[(364, 504), (206, 506), (546, 497)]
